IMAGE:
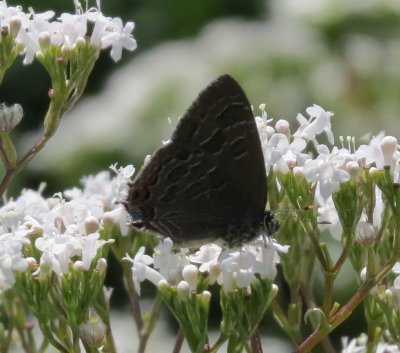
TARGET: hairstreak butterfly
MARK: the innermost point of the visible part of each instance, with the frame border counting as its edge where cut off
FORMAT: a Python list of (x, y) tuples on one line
[(208, 183)]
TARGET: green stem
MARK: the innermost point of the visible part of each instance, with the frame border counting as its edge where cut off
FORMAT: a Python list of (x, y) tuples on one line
[(284, 323), (323, 260), (65, 101), (346, 310), (133, 296), (220, 341), (179, 341), (349, 240), (256, 346), (149, 325)]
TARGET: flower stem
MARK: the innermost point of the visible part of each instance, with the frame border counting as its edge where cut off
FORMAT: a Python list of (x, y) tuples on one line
[(346, 310), (256, 346), (179, 341), (149, 325), (133, 297)]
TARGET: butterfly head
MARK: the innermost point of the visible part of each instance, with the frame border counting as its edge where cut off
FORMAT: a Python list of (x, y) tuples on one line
[(271, 224)]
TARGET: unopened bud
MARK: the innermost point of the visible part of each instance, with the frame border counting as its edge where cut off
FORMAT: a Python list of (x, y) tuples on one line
[(92, 332), (15, 26), (282, 126), (44, 40), (10, 117), (366, 233), (91, 224), (183, 290), (388, 147), (101, 265), (190, 274)]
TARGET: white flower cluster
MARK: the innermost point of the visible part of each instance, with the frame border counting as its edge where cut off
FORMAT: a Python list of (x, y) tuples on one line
[(36, 31), (230, 270), (358, 345), (61, 231), (285, 151)]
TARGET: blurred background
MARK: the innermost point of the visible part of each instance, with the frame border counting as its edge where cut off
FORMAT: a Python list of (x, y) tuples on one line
[(342, 55)]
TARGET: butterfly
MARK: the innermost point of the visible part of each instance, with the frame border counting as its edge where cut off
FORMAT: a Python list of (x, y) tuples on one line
[(208, 183)]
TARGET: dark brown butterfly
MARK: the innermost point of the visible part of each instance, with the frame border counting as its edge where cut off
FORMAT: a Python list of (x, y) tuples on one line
[(208, 184)]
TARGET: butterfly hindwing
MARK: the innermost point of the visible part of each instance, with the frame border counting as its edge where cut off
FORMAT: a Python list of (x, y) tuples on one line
[(209, 182)]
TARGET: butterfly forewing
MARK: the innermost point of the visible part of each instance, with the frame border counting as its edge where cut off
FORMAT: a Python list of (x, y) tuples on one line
[(208, 183)]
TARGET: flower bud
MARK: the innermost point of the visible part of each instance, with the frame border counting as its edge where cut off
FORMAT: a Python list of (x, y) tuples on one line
[(366, 234), (92, 332), (15, 26), (372, 171), (10, 117), (396, 268), (353, 168), (80, 42), (183, 290), (108, 220), (190, 274), (270, 131), (282, 126), (363, 274), (298, 173), (277, 170), (206, 296), (32, 263), (163, 284), (78, 266), (44, 40), (388, 147), (101, 265), (91, 224), (35, 231)]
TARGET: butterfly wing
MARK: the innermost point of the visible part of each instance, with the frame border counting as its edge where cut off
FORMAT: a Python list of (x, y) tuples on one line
[(209, 182)]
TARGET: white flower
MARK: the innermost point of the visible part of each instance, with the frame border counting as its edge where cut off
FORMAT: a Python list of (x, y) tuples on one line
[(141, 269), (119, 38), (11, 258), (170, 265), (124, 175), (207, 256), (90, 245), (72, 28), (60, 248), (274, 149), (328, 217), (372, 153), (237, 271), (118, 216), (100, 28), (267, 256), (326, 170), (29, 34), (67, 31), (266, 262), (319, 121), (292, 155), (358, 345)]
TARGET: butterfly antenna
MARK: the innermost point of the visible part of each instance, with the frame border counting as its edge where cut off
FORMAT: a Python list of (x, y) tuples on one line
[(298, 211)]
